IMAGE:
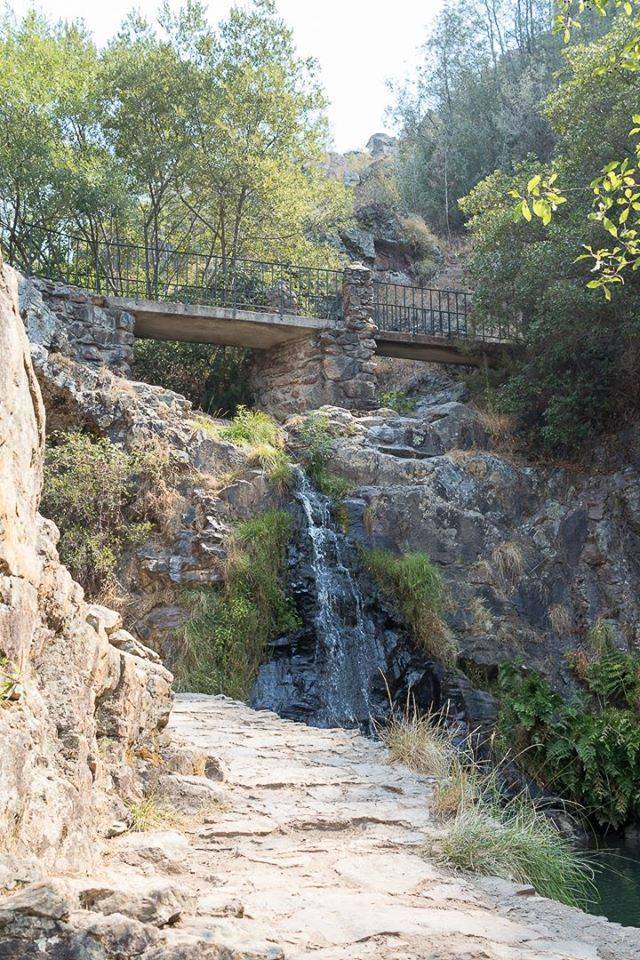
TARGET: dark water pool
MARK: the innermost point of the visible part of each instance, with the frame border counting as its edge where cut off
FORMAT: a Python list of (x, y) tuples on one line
[(618, 882)]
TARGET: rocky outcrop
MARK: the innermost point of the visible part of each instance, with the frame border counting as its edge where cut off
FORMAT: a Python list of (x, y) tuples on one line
[(532, 557), (74, 707)]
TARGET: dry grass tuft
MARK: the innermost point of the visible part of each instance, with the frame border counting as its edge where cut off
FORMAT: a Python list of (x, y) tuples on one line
[(508, 561), (415, 740), (499, 426), (561, 620)]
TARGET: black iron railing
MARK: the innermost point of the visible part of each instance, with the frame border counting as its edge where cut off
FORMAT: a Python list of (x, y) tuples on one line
[(123, 269), (428, 311)]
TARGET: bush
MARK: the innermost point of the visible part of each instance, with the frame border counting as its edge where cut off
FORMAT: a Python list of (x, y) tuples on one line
[(398, 400), (105, 500), (317, 443), (415, 584), (228, 632), (588, 749)]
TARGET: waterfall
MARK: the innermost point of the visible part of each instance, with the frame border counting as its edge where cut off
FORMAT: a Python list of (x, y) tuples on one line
[(329, 669)]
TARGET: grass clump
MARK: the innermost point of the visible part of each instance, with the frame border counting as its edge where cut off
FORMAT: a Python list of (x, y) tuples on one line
[(415, 584), (149, 814), (517, 842), (398, 400), (414, 739), (228, 631), (483, 833), (105, 500), (262, 438), (317, 443)]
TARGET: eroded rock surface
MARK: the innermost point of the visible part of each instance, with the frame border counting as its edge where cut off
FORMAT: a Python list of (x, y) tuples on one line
[(73, 706)]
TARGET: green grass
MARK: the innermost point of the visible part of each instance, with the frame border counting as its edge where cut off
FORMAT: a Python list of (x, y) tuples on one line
[(414, 583), (261, 437), (227, 634), (482, 833), (517, 842)]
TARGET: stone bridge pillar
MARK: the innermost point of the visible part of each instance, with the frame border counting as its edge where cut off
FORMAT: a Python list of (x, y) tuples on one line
[(334, 367)]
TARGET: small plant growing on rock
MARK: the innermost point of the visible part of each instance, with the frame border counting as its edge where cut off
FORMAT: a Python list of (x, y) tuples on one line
[(262, 438), (415, 584), (11, 689), (317, 442), (398, 400)]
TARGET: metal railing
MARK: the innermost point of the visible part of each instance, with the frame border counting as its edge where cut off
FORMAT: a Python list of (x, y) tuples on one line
[(123, 269), (428, 311)]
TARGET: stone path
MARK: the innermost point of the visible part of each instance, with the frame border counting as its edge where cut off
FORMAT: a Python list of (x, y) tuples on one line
[(317, 854)]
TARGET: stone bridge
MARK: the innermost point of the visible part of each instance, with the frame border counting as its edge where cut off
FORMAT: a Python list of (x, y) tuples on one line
[(298, 361)]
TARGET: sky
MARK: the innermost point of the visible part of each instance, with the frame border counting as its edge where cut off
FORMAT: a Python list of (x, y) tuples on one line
[(360, 44)]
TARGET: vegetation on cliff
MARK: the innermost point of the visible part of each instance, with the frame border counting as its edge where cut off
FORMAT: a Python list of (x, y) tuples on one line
[(414, 583), (226, 638), (105, 501), (586, 747)]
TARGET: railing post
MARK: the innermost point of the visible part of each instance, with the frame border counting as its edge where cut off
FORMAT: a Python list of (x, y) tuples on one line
[(348, 347)]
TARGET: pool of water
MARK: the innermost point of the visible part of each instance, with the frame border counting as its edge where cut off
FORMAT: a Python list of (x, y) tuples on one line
[(618, 882)]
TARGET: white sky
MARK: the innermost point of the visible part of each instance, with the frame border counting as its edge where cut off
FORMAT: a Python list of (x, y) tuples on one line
[(360, 44)]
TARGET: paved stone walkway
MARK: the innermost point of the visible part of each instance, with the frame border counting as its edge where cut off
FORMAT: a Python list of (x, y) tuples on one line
[(317, 854)]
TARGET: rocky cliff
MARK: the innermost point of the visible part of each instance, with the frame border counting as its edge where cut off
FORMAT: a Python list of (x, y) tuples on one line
[(74, 707)]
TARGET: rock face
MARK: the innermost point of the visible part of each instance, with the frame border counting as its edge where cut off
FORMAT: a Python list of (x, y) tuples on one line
[(335, 367), (532, 557), (73, 706)]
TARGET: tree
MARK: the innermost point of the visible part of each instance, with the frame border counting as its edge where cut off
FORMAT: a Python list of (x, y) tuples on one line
[(579, 375), (616, 190)]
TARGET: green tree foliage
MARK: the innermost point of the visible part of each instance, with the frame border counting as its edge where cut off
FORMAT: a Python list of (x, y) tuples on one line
[(579, 373), (213, 378), (475, 103), (175, 135), (588, 749)]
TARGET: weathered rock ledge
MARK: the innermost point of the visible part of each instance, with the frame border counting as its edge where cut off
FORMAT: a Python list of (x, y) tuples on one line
[(314, 847)]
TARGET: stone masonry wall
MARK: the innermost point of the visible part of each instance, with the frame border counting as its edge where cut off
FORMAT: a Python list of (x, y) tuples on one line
[(77, 324), (335, 367)]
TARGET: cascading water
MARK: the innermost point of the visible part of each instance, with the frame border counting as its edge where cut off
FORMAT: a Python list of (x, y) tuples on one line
[(331, 672)]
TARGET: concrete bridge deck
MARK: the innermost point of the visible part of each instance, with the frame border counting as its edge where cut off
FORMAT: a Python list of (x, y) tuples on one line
[(263, 330)]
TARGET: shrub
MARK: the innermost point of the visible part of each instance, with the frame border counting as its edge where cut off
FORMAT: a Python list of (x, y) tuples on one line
[(104, 500), (398, 400), (226, 637), (415, 584), (588, 749), (317, 443)]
